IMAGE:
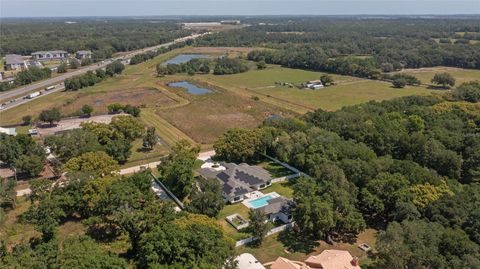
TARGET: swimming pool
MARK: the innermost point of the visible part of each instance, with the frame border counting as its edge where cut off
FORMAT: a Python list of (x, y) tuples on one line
[(260, 202)]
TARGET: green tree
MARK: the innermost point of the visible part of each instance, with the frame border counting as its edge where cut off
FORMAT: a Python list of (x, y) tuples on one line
[(150, 138), (74, 63), (444, 79), (39, 187), (27, 120), (119, 149), (326, 79), (86, 111), (130, 127), (258, 226), (399, 83), (62, 68), (7, 194), (176, 170), (208, 200), (468, 91), (83, 252), (50, 116), (72, 144), (115, 108), (192, 241), (29, 165), (95, 163), (261, 65), (238, 145), (314, 216), (10, 149), (114, 68)]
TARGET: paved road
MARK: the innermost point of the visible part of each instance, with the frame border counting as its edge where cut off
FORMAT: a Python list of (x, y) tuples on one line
[(22, 100), (201, 156), (44, 83)]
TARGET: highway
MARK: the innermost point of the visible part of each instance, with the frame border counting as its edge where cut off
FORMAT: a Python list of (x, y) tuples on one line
[(5, 96)]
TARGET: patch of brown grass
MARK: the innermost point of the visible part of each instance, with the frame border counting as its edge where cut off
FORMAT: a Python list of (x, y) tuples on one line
[(147, 97), (208, 116)]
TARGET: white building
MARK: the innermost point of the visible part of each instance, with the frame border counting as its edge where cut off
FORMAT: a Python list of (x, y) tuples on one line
[(50, 55), (248, 261), (8, 131)]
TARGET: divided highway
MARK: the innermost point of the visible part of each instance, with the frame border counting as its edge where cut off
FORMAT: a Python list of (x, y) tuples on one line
[(41, 85)]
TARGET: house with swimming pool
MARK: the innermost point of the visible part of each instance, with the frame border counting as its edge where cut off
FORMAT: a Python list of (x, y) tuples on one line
[(238, 180)]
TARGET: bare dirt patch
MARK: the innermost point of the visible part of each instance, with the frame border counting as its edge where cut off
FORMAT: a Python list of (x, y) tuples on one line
[(73, 123), (145, 97)]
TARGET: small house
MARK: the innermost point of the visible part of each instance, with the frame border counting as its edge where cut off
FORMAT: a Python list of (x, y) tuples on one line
[(278, 208), (14, 62), (8, 131), (314, 84), (83, 54)]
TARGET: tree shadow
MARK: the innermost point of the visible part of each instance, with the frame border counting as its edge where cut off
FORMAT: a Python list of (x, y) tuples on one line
[(297, 242), (438, 88), (144, 150)]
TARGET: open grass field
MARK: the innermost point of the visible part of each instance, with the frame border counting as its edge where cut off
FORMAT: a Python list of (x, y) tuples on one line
[(240, 100), (286, 245), (347, 91), (461, 75)]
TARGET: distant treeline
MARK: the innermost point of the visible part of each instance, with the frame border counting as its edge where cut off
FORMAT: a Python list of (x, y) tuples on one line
[(390, 44), (222, 66), (140, 58), (103, 37)]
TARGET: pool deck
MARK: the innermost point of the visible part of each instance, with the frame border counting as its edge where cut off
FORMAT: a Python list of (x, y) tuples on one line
[(255, 195)]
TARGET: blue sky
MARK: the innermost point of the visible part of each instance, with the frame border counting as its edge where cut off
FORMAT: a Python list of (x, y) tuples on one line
[(63, 8)]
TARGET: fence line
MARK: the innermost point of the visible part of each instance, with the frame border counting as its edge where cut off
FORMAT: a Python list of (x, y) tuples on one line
[(271, 232), (174, 198), (286, 165), (285, 178)]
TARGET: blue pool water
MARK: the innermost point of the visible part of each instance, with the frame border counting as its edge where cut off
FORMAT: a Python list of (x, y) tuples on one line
[(260, 202), (191, 88), (183, 58)]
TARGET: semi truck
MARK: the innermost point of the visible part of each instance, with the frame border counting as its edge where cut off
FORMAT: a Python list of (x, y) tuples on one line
[(33, 95)]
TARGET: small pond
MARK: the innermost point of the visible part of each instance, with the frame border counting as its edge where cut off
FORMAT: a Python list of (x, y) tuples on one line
[(191, 88), (183, 58)]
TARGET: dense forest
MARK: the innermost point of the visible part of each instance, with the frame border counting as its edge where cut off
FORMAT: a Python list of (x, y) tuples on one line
[(409, 167), (102, 36), (383, 44)]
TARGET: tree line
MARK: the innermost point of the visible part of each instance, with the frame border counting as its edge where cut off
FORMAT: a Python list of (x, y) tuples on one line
[(91, 78), (221, 66), (390, 43), (408, 167), (102, 37), (26, 77)]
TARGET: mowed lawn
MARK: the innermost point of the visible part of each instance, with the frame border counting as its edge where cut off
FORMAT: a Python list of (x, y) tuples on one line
[(460, 75), (287, 245), (347, 91)]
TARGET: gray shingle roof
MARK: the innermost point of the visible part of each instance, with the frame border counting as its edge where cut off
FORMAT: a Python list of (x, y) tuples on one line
[(237, 179), (276, 205), (50, 51), (13, 59)]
